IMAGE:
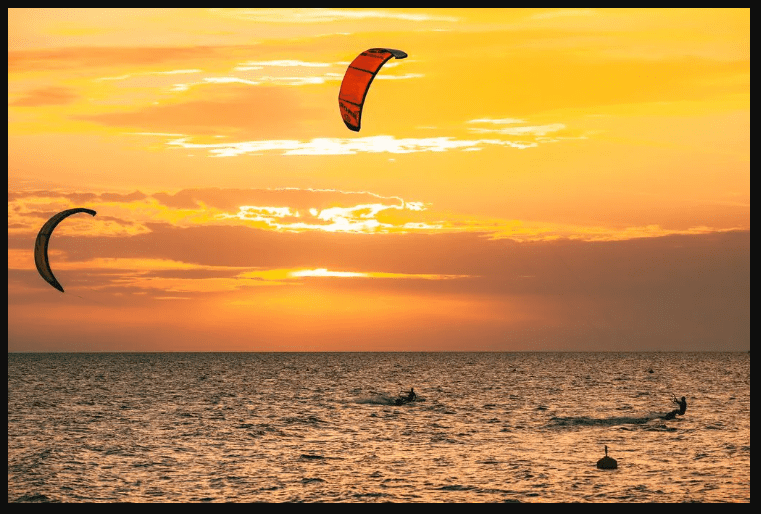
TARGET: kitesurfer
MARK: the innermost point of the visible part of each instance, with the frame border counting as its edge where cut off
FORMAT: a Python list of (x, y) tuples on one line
[(681, 410), (406, 398), (682, 405)]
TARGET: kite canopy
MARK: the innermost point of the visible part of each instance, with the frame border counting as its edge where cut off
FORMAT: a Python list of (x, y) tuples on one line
[(356, 82), (41, 244)]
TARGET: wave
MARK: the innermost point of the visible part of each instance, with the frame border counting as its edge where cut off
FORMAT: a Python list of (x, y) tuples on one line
[(383, 399), (378, 399), (560, 421)]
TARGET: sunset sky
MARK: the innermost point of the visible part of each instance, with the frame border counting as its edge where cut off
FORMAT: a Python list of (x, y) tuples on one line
[(526, 180)]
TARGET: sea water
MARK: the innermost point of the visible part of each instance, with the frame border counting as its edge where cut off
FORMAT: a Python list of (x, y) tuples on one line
[(323, 427)]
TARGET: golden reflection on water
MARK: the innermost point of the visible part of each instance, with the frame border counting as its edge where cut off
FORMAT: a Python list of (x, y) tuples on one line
[(323, 427)]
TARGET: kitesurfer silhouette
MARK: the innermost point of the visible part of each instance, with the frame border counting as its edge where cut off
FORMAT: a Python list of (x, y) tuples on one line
[(681, 410), (406, 398)]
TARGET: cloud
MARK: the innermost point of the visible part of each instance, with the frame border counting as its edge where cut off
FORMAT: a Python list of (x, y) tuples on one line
[(298, 199), (354, 231), (300, 210), (46, 96), (297, 210), (106, 57), (252, 97), (497, 121), (254, 111), (311, 15), (675, 290), (285, 73), (287, 63), (345, 146), (280, 209), (150, 73), (562, 13), (528, 130), (28, 210), (687, 288), (322, 272)]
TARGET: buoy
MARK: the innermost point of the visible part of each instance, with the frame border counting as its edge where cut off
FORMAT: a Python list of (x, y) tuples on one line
[(607, 462)]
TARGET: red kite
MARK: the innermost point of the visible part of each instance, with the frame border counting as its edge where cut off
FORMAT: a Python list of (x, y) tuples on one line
[(359, 75)]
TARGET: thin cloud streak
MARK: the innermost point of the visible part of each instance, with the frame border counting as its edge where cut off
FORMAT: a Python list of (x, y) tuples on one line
[(252, 78), (500, 121), (287, 63), (146, 73), (541, 130), (323, 272), (345, 146), (311, 15)]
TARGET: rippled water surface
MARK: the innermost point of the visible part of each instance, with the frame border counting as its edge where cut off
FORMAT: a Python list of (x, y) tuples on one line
[(308, 427)]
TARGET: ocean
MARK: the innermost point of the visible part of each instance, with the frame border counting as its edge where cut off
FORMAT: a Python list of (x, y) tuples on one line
[(324, 427)]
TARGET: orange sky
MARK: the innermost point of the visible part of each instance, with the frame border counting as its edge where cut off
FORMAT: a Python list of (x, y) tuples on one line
[(562, 179)]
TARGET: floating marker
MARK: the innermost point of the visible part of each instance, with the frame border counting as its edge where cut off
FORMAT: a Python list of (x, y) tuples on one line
[(607, 462)]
